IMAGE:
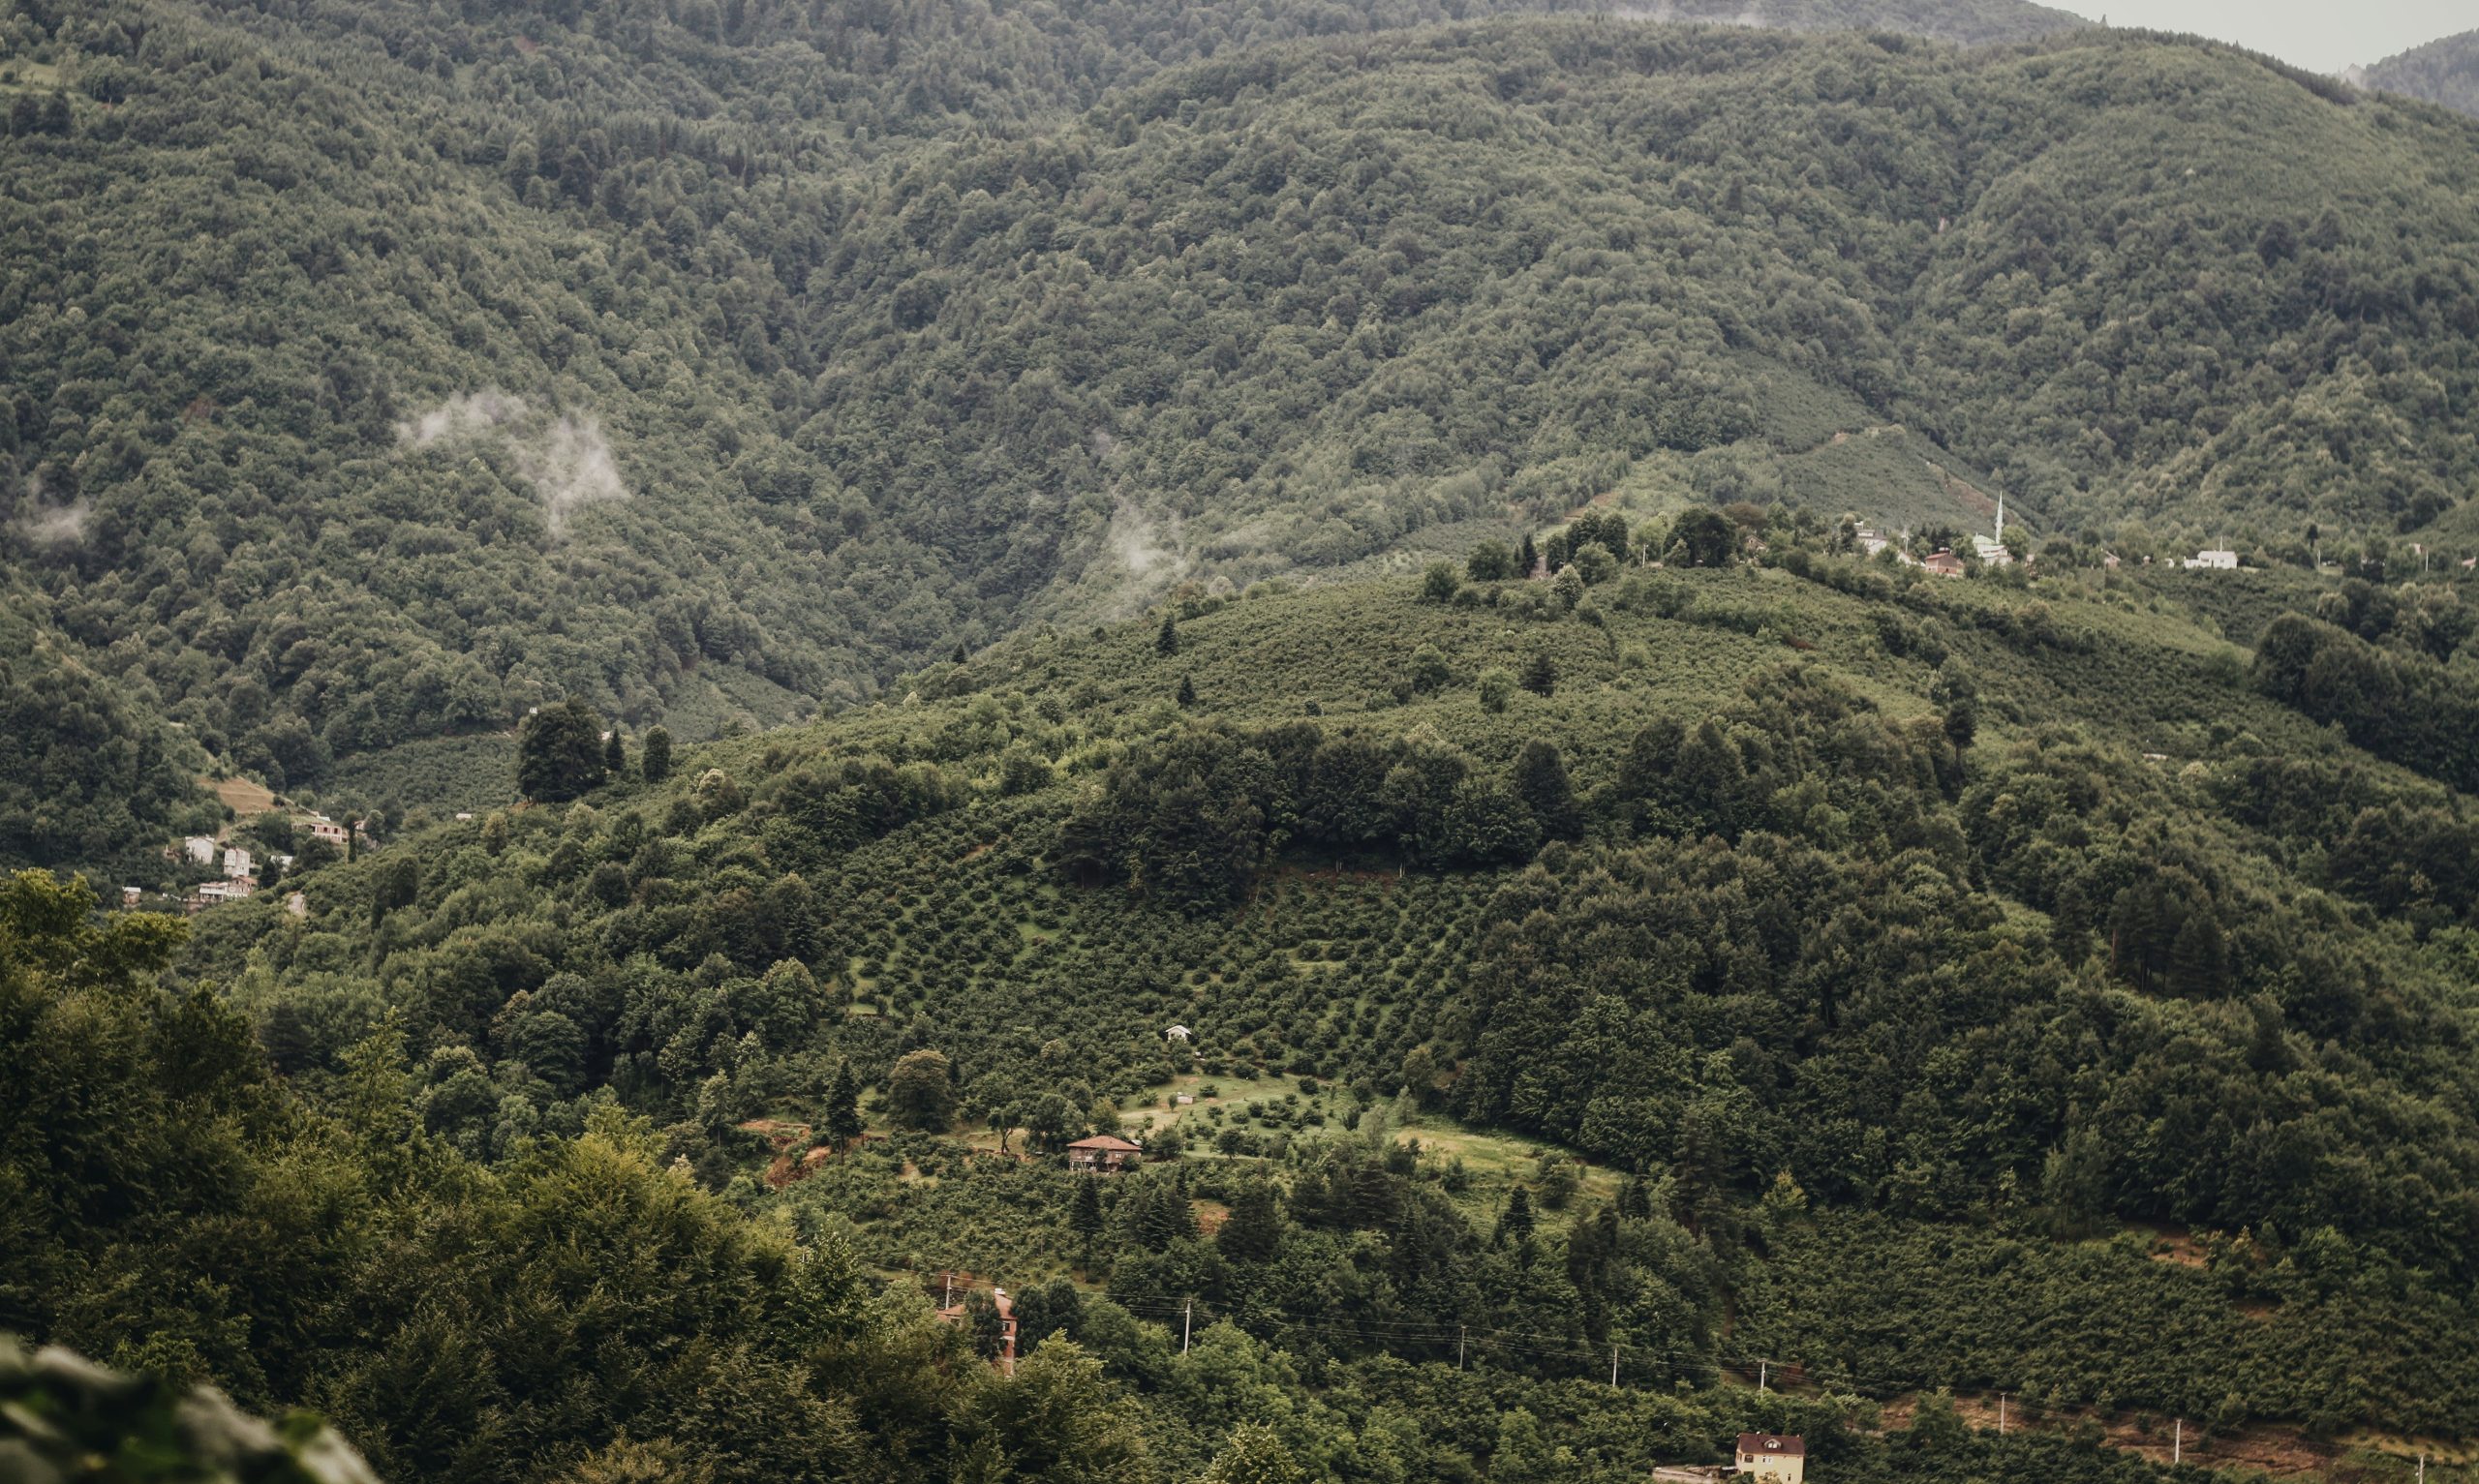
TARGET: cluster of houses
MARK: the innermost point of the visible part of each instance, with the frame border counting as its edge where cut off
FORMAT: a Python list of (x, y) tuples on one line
[(238, 867), (1942, 562), (1992, 552)]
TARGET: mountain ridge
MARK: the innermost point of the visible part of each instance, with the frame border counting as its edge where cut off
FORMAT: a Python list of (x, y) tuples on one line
[(2444, 72), (796, 349)]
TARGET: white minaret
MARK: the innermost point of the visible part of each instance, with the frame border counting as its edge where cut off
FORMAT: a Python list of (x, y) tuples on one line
[(2001, 517)]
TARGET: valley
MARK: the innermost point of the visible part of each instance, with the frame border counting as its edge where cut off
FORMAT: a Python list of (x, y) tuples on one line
[(1233, 743)]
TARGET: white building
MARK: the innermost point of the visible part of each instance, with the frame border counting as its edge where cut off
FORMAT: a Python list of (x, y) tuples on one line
[(237, 862), (1991, 549), (201, 848), (2211, 560)]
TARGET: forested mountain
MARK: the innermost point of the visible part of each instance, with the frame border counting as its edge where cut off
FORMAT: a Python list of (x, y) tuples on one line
[(1634, 963), (1071, 476), (2445, 71), (93, 778), (715, 363)]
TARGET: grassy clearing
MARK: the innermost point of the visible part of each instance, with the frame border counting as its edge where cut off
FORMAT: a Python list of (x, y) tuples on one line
[(241, 795), (21, 75), (1493, 1164)]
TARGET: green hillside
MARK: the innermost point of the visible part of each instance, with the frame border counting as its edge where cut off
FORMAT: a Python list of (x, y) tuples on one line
[(95, 780), (908, 585), (1763, 927), (2443, 71), (402, 368)]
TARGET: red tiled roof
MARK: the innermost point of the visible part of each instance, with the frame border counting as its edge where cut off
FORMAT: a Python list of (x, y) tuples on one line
[(1106, 1141), (1779, 1444)]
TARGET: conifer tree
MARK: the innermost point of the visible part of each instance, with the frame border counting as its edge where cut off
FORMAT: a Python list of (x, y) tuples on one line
[(1540, 782), (1540, 675), (615, 757), (1254, 1231), (1167, 642), (1517, 1223), (654, 759), (841, 1114), (1084, 1215)]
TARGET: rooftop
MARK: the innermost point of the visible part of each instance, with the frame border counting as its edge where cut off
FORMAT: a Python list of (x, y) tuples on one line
[(1779, 1444)]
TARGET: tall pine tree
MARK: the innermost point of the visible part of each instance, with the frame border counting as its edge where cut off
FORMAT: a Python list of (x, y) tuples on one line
[(841, 1115), (1085, 1214)]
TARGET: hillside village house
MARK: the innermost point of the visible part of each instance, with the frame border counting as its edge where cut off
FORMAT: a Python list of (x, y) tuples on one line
[(2211, 560), (1104, 1154), (321, 828), (239, 864), (1944, 564), (1005, 1361), (201, 848), (216, 893), (1773, 1458)]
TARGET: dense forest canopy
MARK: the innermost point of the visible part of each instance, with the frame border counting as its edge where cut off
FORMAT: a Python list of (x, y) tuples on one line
[(713, 364), (1331, 589), (95, 777)]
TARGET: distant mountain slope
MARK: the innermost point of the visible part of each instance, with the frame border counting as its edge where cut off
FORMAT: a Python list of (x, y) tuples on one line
[(1971, 22), (2445, 71), (718, 368)]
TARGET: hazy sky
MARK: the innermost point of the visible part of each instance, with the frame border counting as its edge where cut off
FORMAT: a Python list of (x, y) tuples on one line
[(2327, 35)]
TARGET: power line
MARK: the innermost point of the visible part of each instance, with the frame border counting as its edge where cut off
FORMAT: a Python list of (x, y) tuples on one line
[(1396, 1336)]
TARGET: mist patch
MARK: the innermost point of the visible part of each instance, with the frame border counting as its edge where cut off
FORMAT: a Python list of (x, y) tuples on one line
[(564, 455)]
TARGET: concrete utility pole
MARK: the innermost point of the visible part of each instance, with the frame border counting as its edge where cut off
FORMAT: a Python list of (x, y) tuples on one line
[(1187, 1323), (2001, 1414), (1761, 1367), (1459, 1332), (1613, 1362), (2177, 1442)]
